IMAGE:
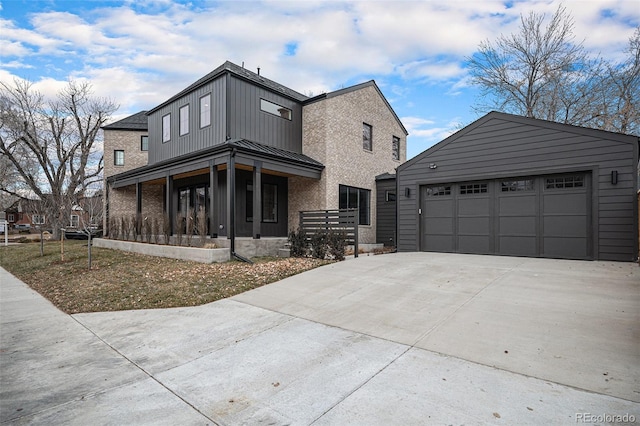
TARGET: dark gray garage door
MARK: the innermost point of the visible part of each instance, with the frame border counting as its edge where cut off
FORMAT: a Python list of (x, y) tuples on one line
[(546, 216)]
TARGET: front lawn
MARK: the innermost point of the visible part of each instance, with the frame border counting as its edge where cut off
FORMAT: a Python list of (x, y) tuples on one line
[(121, 280)]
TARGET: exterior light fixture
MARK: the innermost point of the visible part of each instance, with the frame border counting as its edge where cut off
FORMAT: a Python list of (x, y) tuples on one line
[(407, 192), (433, 166), (614, 177)]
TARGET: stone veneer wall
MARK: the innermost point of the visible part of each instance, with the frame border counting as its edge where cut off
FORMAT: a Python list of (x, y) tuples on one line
[(332, 134)]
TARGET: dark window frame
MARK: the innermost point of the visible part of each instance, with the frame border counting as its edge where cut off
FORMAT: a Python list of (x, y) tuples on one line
[(438, 191), (202, 113), (473, 188), (249, 202), (265, 103), (183, 131), (144, 146), (390, 196), (564, 182), (115, 157), (367, 140), (395, 148), (168, 128), (362, 202)]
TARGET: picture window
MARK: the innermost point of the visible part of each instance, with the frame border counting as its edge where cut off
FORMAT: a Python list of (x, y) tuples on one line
[(275, 109)]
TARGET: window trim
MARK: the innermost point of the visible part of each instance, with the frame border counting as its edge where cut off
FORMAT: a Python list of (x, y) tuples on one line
[(77, 225), (262, 207), (166, 125), (183, 122), (142, 138), (390, 196), (370, 127), (289, 116), (115, 157), (41, 219), (202, 113), (360, 207), (395, 149)]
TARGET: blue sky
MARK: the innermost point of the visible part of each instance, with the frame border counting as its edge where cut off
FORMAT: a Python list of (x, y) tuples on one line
[(141, 52)]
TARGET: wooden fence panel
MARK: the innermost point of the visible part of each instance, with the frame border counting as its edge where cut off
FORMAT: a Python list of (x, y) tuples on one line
[(344, 220)]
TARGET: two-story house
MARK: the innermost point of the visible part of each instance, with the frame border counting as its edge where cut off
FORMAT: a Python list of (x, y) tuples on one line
[(253, 153)]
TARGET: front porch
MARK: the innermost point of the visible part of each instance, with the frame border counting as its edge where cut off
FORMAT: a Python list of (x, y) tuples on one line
[(231, 193)]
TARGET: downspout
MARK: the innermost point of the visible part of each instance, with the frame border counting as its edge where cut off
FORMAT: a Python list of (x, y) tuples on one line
[(232, 207)]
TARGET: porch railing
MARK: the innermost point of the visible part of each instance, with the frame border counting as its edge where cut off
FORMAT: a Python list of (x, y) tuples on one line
[(342, 220)]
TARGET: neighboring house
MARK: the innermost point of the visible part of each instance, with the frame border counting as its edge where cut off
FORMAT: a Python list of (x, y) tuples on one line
[(518, 186), (254, 153), (25, 213)]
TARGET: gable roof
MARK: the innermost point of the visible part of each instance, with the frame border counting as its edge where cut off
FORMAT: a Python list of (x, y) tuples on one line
[(238, 71), (137, 121), (340, 92), (568, 128)]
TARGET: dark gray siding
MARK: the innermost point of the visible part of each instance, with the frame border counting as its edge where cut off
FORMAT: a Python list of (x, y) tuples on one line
[(500, 145), (385, 212), (248, 121), (197, 138)]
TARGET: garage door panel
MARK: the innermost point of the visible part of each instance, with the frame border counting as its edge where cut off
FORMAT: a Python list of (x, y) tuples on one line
[(519, 246), (441, 243), (474, 226), (439, 226), (564, 202), (517, 205), (474, 244), (565, 226), (473, 206), (438, 208), (568, 248), (517, 226)]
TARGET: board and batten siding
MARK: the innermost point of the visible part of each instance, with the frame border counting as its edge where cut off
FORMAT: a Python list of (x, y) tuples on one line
[(197, 138), (247, 121), (502, 146), (386, 212)]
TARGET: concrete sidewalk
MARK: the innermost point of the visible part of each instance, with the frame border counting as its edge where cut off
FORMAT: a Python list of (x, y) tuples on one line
[(309, 355)]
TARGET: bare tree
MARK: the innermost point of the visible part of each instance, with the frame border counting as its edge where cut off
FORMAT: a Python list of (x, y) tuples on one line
[(542, 72), (53, 144), (91, 213)]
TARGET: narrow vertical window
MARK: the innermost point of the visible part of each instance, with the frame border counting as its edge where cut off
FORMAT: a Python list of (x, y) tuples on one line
[(367, 135), (205, 110), (166, 128), (118, 157), (144, 143), (269, 202), (395, 148), (74, 221), (184, 120)]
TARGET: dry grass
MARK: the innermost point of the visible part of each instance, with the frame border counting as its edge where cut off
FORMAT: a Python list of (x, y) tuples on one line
[(120, 280)]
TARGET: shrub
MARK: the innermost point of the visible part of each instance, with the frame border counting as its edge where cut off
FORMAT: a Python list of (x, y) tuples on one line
[(146, 229), (166, 228), (155, 230), (319, 245), (298, 243), (179, 228), (337, 242), (201, 225)]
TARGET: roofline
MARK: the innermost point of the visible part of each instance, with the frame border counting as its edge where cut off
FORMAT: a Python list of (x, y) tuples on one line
[(618, 137), (354, 88), (228, 68), (204, 153), (114, 125)]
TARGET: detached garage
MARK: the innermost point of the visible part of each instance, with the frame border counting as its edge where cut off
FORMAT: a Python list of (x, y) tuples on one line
[(517, 186)]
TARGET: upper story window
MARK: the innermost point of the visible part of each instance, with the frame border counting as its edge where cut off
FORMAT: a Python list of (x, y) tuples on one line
[(395, 148), (275, 109), (367, 137), (74, 221), (118, 157), (184, 120), (166, 128), (144, 143), (205, 110)]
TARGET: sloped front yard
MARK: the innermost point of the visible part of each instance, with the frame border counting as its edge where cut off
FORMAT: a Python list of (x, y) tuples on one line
[(120, 280)]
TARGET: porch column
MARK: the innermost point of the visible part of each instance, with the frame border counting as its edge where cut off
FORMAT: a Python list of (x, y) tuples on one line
[(168, 202), (231, 198), (257, 199), (213, 196), (138, 207)]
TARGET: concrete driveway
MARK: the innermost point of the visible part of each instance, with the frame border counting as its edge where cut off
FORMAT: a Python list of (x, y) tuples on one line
[(410, 338)]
